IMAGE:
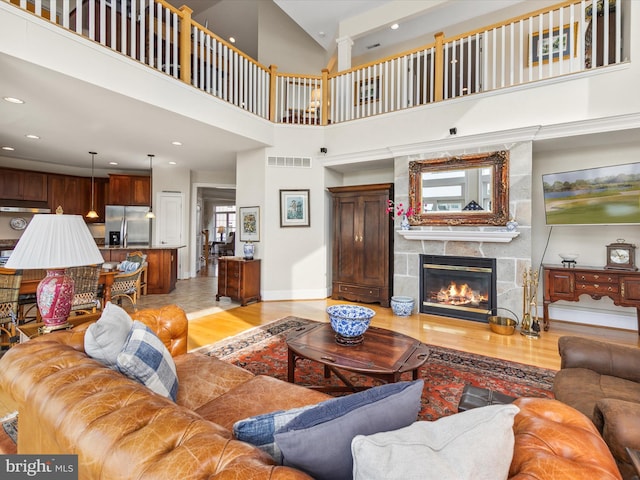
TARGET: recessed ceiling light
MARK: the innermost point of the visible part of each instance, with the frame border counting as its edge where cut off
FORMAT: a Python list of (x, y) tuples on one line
[(322, 34), (177, 144), (172, 163), (32, 136), (395, 26), (10, 149), (232, 39), (113, 163), (13, 100)]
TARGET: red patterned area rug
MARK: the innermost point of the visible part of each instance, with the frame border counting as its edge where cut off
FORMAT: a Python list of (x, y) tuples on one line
[(263, 351)]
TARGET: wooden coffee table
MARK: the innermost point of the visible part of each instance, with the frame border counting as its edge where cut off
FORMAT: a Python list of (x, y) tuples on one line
[(384, 355)]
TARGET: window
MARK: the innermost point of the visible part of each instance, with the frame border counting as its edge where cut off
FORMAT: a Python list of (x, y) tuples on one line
[(225, 221)]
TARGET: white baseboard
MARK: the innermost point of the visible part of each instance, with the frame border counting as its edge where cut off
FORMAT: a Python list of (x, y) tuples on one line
[(597, 317), (282, 295)]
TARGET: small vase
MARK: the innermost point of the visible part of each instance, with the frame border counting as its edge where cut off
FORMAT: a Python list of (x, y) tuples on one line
[(248, 250), (404, 223)]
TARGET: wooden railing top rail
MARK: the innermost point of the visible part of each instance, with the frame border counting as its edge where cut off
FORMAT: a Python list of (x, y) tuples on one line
[(524, 16)]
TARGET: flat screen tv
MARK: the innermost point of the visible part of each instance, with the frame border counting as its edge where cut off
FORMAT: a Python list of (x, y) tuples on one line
[(593, 196)]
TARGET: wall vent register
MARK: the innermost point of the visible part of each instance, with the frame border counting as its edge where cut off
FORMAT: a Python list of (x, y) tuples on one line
[(291, 162)]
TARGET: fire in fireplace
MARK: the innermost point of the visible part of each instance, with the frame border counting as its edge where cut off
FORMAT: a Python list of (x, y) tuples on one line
[(460, 287)]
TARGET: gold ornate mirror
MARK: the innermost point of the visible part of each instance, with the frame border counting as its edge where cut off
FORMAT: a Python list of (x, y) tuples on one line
[(463, 190)]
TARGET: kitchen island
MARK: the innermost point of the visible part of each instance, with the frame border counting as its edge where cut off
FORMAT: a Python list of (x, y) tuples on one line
[(162, 261)]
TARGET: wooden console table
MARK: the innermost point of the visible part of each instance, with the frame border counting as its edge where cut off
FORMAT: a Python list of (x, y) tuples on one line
[(568, 283)]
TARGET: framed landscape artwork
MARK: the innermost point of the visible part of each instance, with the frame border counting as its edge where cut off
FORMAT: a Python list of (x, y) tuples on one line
[(608, 195), (294, 208), (249, 224)]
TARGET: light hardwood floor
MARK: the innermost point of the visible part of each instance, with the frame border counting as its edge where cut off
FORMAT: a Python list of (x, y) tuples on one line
[(197, 295)]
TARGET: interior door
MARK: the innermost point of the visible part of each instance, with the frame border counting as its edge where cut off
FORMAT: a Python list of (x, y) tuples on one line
[(169, 219)]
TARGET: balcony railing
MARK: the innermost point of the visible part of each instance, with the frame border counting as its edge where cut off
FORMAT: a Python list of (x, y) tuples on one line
[(568, 38)]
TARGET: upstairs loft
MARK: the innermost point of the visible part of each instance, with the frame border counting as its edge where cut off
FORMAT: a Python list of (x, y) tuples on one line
[(566, 39)]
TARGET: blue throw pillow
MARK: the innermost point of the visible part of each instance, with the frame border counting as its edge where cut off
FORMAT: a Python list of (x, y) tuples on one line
[(318, 441), (146, 359), (259, 430), (128, 267)]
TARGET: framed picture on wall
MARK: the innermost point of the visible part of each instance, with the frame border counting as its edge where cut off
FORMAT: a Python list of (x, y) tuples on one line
[(367, 90), (249, 224), (294, 208), (555, 46)]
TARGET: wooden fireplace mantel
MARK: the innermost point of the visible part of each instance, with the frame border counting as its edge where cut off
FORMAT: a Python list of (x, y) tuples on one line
[(565, 283), (496, 236)]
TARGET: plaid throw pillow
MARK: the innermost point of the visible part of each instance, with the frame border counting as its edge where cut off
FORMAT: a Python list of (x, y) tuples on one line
[(145, 358)]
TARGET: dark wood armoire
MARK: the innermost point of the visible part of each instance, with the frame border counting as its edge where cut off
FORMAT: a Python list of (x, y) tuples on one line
[(362, 243)]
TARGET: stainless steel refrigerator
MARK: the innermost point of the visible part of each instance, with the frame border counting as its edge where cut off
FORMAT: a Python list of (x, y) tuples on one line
[(127, 226)]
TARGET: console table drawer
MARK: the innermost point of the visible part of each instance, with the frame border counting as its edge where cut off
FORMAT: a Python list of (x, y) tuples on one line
[(360, 291), (604, 288), (596, 278)]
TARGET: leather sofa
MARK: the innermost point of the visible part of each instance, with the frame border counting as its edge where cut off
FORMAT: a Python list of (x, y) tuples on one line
[(602, 380), (70, 403)]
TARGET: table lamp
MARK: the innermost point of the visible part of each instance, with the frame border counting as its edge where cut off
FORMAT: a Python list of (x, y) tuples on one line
[(55, 242), (221, 231)]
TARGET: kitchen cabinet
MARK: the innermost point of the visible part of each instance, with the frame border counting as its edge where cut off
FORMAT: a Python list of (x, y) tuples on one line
[(129, 190), (565, 283), (362, 243), (69, 192), (23, 185), (239, 279), (162, 269)]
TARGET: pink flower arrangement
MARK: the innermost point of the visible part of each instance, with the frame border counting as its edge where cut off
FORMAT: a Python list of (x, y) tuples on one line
[(400, 210)]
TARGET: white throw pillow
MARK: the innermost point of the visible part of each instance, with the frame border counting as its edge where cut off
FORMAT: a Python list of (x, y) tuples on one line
[(472, 445), (105, 338)]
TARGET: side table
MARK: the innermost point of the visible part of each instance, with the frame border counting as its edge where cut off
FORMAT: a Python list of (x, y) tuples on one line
[(239, 279), (28, 331)]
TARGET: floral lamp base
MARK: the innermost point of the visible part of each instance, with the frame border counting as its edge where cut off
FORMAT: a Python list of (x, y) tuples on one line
[(54, 296)]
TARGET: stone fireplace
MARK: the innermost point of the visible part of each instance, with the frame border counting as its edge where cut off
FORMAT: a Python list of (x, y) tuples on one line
[(459, 287), (512, 256)]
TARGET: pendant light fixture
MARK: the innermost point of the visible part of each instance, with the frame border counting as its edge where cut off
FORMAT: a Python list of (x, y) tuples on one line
[(92, 213), (150, 213)]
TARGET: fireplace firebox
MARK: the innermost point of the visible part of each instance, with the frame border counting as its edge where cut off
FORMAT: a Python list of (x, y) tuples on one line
[(459, 287)]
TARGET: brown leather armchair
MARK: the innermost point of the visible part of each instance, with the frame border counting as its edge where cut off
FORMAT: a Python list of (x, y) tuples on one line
[(602, 380)]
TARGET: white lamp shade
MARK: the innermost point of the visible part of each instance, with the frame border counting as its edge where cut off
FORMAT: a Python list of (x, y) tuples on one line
[(53, 241)]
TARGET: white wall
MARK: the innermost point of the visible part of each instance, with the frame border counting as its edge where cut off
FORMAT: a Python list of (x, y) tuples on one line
[(293, 258), (284, 44), (172, 178), (588, 241)]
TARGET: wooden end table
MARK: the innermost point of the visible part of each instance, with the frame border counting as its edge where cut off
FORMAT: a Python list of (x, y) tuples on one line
[(384, 355), (31, 330)]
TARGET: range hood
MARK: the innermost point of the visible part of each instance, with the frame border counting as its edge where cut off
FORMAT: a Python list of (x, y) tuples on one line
[(23, 206)]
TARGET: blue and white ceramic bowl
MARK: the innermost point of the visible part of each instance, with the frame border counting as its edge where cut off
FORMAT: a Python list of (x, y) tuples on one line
[(402, 306), (350, 321)]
